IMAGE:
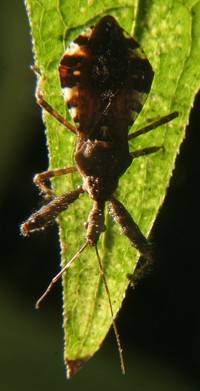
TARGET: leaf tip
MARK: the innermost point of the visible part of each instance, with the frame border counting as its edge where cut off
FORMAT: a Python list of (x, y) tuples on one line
[(73, 366)]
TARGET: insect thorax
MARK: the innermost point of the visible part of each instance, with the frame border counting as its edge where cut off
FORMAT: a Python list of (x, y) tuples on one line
[(101, 164)]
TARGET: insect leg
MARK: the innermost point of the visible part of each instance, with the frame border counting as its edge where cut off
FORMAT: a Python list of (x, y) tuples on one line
[(130, 228), (46, 106), (48, 213), (145, 151), (39, 179), (154, 125)]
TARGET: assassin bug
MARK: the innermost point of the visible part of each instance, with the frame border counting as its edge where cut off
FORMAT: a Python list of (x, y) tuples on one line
[(105, 78)]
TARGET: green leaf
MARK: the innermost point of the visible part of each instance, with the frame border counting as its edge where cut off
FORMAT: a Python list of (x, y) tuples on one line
[(168, 31)]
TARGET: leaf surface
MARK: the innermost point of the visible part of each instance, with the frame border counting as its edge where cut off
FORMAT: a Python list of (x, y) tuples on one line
[(168, 32)]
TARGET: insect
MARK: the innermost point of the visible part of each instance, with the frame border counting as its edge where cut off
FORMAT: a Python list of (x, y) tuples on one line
[(105, 79)]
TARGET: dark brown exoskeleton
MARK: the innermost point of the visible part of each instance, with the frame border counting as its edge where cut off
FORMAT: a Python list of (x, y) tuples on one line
[(105, 78)]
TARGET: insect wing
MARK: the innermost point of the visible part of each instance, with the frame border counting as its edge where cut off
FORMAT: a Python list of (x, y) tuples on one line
[(105, 77)]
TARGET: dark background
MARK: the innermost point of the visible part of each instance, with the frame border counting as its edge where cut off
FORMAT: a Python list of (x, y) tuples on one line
[(159, 323)]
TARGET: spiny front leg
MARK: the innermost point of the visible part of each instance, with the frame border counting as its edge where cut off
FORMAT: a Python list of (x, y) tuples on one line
[(48, 213), (130, 228)]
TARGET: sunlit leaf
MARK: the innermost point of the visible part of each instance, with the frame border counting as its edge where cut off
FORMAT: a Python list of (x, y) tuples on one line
[(168, 31)]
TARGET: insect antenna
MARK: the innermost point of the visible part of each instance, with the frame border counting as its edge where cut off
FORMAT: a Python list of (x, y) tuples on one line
[(59, 275), (112, 314)]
